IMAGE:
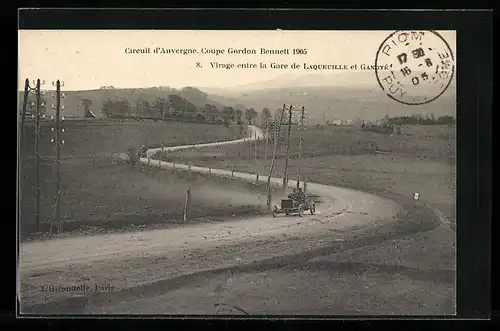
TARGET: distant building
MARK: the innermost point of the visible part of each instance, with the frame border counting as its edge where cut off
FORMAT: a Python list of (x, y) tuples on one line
[(342, 122)]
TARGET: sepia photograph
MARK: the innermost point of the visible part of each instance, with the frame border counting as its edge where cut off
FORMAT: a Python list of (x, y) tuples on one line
[(237, 172)]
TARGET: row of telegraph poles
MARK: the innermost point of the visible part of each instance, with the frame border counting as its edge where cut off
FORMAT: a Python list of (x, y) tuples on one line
[(273, 126), (37, 105)]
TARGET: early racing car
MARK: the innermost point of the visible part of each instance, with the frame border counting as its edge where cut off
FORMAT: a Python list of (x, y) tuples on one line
[(290, 206)]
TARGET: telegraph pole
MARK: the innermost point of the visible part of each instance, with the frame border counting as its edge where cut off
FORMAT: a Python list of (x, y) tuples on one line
[(266, 135), (23, 114), (248, 134), (255, 145), (20, 164), (301, 126), (58, 142), (276, 132), (58, 154), (37, 154), (187, 203), (285, 177)]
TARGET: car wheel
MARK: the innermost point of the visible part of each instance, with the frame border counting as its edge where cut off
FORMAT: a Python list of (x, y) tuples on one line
[(312, 208)]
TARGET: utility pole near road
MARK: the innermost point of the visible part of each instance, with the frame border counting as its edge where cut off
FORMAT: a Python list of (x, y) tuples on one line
[(285, 177), (20, 160), (301, 127), (187, 203), (37, 153), (276, 127), (23, 114), (58, 141), (58, 155), (255, 144)]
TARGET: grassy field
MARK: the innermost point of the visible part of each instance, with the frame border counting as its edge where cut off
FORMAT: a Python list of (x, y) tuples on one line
[(98, 192), (422, 162), (85, 138)]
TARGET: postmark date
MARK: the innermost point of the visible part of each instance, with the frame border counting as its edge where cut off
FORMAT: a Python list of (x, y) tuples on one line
[(421, 66)]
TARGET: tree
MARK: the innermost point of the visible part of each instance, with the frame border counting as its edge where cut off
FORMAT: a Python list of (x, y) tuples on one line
[(210, 112), (385, 121), (265, 117), (227, 115), (239, 116), (160, 105), (145, 109), (180, 105), (190, 109), (120, 108), (250, 114), (199, 117)]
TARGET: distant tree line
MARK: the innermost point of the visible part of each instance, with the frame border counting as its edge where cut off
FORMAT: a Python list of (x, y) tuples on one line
[(175, 107), (392, 125), (421, 120)]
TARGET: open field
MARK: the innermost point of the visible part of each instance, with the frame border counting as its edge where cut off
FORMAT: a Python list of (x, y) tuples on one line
[(99, 192), (85, 138)]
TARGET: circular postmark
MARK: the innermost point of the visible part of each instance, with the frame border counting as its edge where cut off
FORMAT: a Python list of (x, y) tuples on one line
[(414, 67)]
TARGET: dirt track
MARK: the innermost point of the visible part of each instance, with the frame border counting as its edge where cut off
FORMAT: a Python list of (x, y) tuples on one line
[(170, 271)]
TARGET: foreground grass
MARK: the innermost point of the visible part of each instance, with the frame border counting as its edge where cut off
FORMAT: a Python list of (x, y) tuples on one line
[(110, 197)]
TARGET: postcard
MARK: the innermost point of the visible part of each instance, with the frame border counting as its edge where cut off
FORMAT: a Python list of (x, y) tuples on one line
[(237, 172)]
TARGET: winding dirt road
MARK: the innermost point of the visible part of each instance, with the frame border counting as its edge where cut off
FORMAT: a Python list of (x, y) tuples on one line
[(129, 272)]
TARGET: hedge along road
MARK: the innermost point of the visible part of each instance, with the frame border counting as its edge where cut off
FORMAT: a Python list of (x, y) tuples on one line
[(140, 260)]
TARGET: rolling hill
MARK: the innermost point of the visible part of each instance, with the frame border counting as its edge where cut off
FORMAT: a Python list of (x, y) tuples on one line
[(337, 96), (329, 97)]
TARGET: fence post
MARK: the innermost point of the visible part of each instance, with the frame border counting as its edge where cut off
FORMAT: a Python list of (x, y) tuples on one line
[(187, 204), (232, 173), (257, 177), (173, 164), (210, 169), (149, 160)]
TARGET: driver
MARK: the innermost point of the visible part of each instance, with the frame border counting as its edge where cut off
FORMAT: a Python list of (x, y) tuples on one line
[(293, 195), (301, 196)]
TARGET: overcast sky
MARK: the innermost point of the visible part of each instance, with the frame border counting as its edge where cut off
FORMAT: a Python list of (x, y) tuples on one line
[(90, 59)]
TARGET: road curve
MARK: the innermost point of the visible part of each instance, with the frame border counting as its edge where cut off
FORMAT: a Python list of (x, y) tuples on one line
[(108, 257)]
